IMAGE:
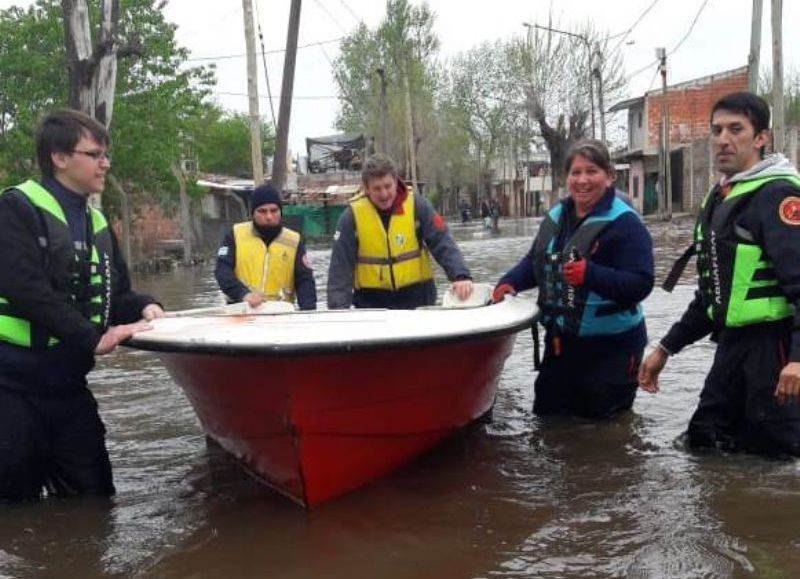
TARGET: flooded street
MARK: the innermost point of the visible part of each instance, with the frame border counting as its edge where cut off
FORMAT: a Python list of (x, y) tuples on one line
[(519, 498)]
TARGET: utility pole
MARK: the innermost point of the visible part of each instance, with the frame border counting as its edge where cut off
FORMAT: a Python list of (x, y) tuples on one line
[(285, 111), (256, 156), (384, 113), (755, 46), (412, 154), (778, 113), (666, 189), (598, 72)]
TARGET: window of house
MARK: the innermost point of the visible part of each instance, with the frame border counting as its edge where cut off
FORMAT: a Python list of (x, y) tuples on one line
[(636, 186), (639, 119)]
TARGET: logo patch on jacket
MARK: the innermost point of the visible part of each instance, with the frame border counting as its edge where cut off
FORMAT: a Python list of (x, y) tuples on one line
[(400, 239), (789, 210)]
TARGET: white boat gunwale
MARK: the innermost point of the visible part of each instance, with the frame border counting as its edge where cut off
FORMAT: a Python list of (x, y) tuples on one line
[(266, 348)]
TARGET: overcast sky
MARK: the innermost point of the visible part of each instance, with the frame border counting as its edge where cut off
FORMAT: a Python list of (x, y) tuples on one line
[(718, 41)]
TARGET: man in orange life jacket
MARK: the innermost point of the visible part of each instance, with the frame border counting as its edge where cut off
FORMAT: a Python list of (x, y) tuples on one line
[(382, 245), (64, 290), (747, 240), (262, 259)]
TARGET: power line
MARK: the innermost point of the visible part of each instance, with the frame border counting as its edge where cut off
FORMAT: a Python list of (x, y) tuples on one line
[(276, 97), (625, 33), (331, 16), (643, 69), (264, 60), (653, 80), (350, 10), (274, 51), (688, 32), (677, 46)]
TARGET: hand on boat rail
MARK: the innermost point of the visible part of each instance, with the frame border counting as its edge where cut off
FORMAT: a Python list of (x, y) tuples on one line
[(115, 335)]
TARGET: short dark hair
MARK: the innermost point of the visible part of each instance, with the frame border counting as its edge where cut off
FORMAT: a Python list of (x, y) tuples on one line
[(60, 131), (376, 166), (591, 149), (748, 104)]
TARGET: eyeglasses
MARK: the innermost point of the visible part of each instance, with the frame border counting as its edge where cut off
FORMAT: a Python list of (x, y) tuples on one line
[(96, 155)]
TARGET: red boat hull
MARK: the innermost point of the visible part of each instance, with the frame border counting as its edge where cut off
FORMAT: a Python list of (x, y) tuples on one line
[(314, 426)]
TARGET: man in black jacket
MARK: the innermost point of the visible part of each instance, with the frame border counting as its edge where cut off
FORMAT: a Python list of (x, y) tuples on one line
[(747, 239), (63, 290)]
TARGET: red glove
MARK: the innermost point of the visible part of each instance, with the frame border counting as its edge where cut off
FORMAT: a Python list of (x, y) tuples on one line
[(575, 272), (500, 292)]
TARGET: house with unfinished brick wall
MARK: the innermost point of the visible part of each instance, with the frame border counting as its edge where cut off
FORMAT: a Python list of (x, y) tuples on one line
[(689, 106)]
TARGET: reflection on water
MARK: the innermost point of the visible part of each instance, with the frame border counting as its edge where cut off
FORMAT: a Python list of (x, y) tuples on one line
[(519, 498)]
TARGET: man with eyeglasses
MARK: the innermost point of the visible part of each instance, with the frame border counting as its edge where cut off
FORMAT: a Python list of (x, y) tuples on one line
[(65, 296), (263, 260)]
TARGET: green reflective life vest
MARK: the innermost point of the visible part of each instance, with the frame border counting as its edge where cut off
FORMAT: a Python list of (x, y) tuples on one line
[(737, 282), (82, 278)]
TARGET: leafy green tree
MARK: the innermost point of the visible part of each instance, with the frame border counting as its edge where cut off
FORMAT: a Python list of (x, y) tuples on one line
[(482, 90), (160, 110), (33, 80), (405, 47), (224, 147)]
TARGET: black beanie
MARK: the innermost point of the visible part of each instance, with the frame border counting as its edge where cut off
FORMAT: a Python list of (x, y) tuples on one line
[(264, 194)]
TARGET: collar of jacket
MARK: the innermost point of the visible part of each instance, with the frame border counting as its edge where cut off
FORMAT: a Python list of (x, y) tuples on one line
[(604, 204), (402, 195), (66, 197)]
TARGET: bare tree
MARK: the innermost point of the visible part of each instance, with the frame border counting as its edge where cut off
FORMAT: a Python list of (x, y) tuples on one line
[(556, 68)]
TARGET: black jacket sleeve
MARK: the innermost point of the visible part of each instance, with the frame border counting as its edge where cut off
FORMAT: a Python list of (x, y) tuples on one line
[(126, 304), (343, 262), (693, 325), (304, 284), (24, 282), (437, 238), (225, 270), (522, 276)]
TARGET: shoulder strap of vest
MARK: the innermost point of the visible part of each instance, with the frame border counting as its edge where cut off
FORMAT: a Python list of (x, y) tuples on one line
[(677, 269), (745, 187), (288, 237), (99, 222), (42, 199)]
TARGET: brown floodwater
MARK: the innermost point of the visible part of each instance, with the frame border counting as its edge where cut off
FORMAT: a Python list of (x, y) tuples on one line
[(518, 498)]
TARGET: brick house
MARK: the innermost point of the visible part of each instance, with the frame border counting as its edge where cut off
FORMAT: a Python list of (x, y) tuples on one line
[(689, 106)]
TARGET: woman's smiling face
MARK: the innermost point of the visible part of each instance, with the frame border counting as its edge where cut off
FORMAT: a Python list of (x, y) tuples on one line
[(586, 183)]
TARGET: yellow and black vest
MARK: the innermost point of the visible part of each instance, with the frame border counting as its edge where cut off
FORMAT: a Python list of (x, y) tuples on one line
[(269, 270), (84, 281), (737, 281), (388, 260)]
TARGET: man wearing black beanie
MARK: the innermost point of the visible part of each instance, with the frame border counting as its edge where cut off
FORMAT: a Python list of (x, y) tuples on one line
[(261, 259)]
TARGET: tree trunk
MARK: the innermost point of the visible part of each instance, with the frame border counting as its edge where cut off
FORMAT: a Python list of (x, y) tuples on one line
[(92, 69), (186, 217), (558, 140)]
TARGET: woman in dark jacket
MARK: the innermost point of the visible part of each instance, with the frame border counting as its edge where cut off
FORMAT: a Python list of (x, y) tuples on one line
[(592, 261)]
